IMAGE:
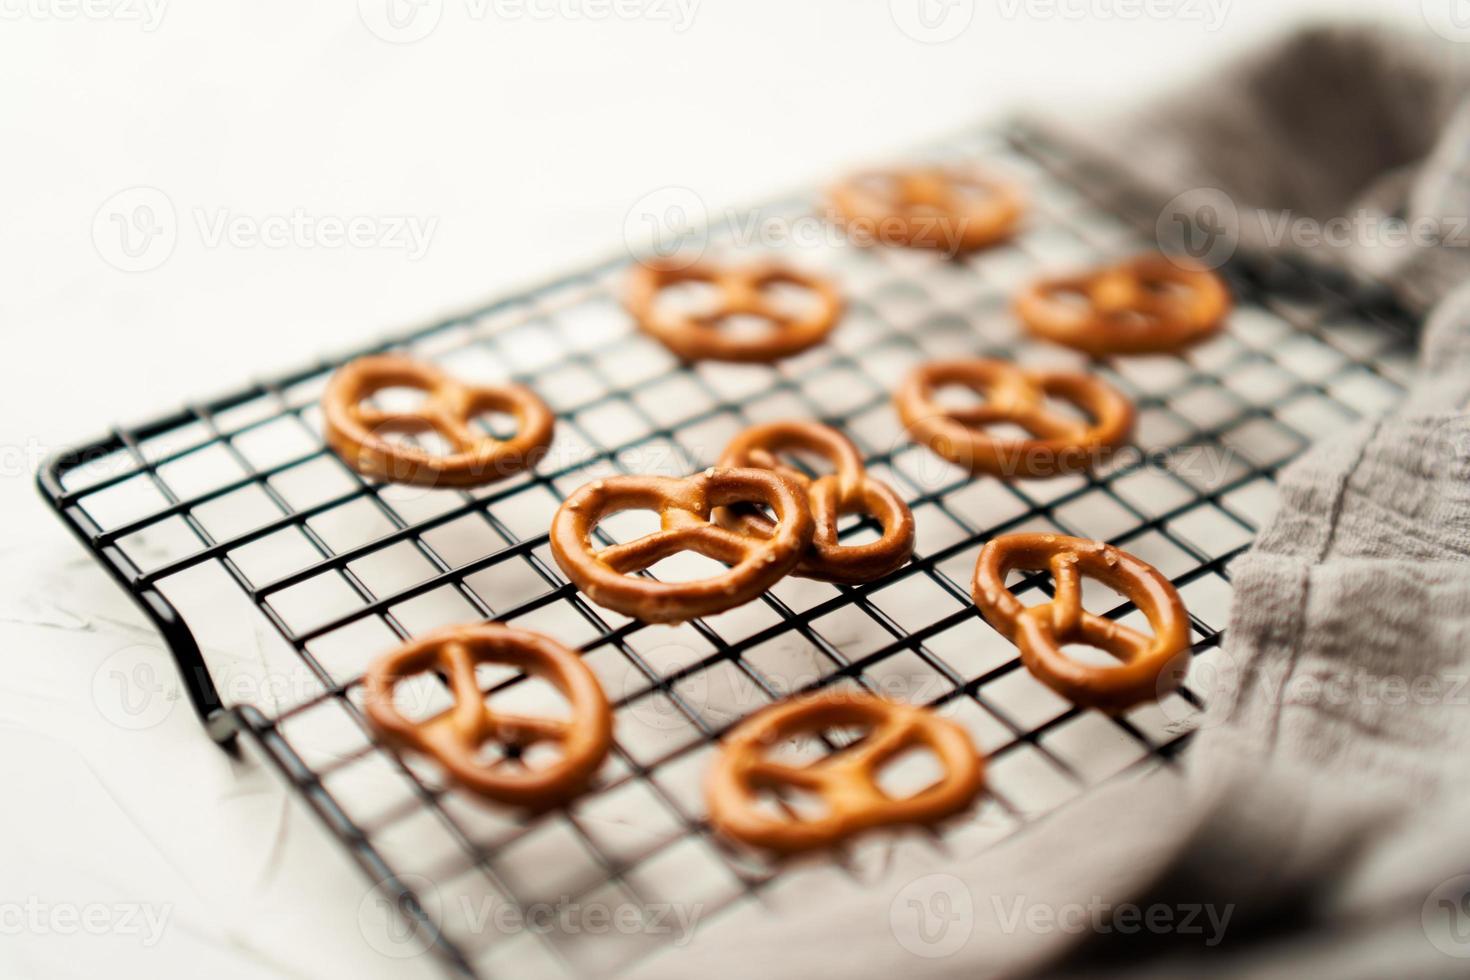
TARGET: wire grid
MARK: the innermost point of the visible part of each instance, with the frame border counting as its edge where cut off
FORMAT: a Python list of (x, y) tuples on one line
[(343, 568)]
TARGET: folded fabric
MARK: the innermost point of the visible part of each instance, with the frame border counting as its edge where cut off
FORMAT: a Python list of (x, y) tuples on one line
[(1302, 147), (1304, 834)]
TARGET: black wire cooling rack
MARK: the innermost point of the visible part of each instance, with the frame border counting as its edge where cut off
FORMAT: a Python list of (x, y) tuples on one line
[(342, 569)]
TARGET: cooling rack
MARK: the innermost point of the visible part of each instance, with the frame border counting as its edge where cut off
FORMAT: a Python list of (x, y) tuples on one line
[(341, 569)]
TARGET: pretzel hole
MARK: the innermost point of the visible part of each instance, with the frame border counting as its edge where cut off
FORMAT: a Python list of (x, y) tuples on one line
[(500, 425), (969, 190), (542, 756), (790, 299), (846, 737), (491, 675), (856, 525), (492, 754), (532, 697), (956, 397), (909, 773), (753, 510), (1090, 656), (1072, 299), (1166, 288), (858, 529), (783, 801), (420, 697), (629, 525), (1034, 595), (1065, 409), (687, 566), (750, 327), (399, 398), (425, 438), (900, 776), (883, 185), (1008, 430), (1097, 597), (538, 756), (804, 461), (788, 802), (692, 298), (799, 750)]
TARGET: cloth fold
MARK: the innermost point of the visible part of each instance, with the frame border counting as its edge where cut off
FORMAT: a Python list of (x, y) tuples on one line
[(1318, 820), (1344, 123)]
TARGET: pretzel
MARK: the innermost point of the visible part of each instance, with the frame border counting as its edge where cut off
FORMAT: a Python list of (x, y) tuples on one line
[(845, 781), (697, 336), (356, 431), (1016, 395), (684, 507), (1147, 305), (848, 490), (953, 208), (1151, 666), (455, 737)]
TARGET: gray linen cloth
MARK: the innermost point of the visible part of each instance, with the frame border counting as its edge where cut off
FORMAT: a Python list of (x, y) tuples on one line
[(1323, 815)]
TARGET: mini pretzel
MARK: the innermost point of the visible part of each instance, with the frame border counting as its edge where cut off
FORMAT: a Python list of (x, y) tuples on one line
[(697, 336), (1146, 305), (848, 490), (953, 208), (1062, 444), (1151, 666), (684, 507), (356, 431), (846, 781), (455, 737)]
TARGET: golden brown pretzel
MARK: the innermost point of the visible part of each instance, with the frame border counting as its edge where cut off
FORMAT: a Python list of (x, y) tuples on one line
[(455, 737), (1148, 304), (356, 431), (954, 208), (846, 781), (696, 336), (684, 507), (1151, 666), (847, 490), (1018, 396)]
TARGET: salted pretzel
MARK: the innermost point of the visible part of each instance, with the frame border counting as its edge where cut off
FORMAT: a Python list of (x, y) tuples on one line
[(700, 335), (846, 781), (954, 208), (357, 431), (1150, 667), (847, 490), (455, 738), (1146, 305), (684, 507), (1015, 395)]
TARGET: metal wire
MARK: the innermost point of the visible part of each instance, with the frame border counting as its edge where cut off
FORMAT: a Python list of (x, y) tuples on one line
[(1304, 355)]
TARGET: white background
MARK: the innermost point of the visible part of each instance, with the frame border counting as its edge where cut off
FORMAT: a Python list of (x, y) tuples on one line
[(522, 139)]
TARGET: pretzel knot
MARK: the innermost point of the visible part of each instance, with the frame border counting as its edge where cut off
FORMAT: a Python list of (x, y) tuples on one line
[(696, 335), (1150, 666), (1061, 443), (358, 432), (684, 507), (957, 209), (1148, 304), (847, 490), (456, 737), (846, 781)]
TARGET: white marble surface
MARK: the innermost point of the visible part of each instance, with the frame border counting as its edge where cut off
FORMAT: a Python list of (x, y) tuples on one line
[(523, 144)]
